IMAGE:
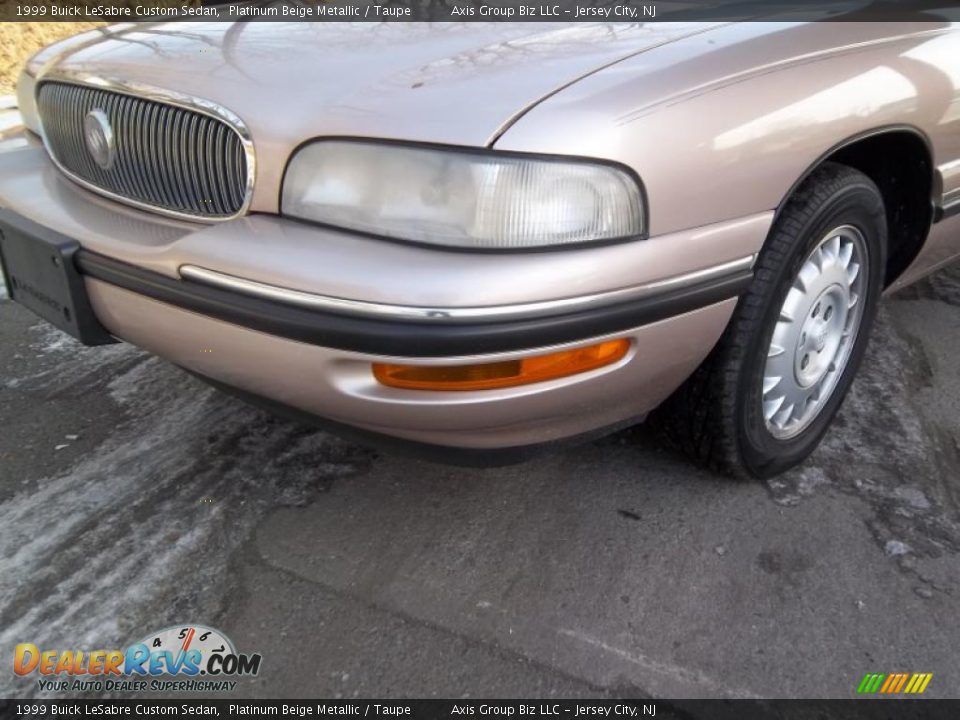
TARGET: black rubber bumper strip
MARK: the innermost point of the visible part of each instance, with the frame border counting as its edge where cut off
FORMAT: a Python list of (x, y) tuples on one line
[(406, 338), (942, 213)]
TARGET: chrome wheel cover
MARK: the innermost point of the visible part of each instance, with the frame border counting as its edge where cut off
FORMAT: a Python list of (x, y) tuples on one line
[(815, 332)]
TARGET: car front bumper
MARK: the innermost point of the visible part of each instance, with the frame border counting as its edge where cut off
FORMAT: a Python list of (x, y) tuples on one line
[(297, 314)]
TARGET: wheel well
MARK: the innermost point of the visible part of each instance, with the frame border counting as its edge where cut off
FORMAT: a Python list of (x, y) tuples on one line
[(900, 163)]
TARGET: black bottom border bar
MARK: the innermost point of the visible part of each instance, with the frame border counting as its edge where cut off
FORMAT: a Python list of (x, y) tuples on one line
[(866, 709)]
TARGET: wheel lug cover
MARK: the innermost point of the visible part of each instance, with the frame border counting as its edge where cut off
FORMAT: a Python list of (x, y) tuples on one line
[(817, 321)]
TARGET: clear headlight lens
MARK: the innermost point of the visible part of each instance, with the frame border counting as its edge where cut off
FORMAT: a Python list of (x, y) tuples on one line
[(26, 100), (461, 198)]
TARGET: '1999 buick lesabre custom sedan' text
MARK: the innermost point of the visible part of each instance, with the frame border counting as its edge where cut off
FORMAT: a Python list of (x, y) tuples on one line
[(491, 237)]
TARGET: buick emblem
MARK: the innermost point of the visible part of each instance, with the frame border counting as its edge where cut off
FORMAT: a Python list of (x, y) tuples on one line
[(821, 340), (98, 135)]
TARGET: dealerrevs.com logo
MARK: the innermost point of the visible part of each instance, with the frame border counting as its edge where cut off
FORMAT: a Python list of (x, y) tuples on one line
[(186, 658)]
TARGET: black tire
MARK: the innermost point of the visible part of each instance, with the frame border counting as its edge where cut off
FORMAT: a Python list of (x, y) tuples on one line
[(716, 416)]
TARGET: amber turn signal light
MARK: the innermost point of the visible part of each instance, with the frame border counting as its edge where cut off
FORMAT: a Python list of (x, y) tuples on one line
[(508, 373)]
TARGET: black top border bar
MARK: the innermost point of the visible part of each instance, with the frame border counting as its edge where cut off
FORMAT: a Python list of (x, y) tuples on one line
[(481, 10)]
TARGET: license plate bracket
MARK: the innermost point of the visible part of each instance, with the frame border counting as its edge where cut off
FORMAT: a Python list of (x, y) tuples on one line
[(41, 274)]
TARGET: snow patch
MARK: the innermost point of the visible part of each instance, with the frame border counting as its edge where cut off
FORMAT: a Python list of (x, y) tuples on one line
[(138, 534), (895, 547), (68, 359)]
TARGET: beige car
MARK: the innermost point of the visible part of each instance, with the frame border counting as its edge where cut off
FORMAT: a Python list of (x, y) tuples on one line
[(484, 238)]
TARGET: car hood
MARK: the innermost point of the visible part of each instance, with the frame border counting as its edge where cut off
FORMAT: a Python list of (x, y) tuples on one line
[(437, 82)]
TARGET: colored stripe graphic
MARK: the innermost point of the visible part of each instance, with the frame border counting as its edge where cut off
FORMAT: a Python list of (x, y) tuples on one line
[(918, 683), (894, 683), (899, 686), (870, 683)]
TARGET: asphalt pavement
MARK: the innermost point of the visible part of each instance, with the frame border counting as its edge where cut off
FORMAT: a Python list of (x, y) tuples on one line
[(133, 497)]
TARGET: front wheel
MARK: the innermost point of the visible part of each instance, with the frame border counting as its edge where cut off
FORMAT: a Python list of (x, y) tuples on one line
[(765, 397)]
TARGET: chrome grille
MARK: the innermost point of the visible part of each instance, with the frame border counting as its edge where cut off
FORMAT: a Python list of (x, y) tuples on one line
[(167, 157)]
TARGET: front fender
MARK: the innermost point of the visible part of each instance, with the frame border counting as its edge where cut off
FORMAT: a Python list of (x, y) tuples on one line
[(736, 144)]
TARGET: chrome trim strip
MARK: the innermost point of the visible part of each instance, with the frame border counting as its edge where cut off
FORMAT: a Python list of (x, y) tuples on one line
[(168, 97), (385, 311)]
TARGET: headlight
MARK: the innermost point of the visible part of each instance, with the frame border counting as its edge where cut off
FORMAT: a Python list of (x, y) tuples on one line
[(461, 198), (27, 101)]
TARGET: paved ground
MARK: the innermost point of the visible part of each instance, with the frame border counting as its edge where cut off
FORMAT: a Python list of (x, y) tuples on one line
[(132, 497)]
